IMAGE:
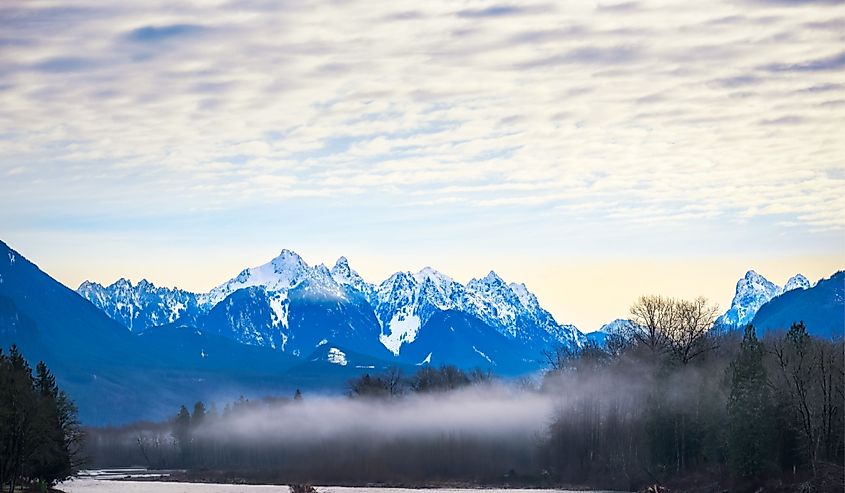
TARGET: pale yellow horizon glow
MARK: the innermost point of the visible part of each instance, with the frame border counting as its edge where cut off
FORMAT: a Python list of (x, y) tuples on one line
[(586, 292)]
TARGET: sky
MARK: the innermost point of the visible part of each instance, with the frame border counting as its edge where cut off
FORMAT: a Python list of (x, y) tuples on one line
[(596, 151)]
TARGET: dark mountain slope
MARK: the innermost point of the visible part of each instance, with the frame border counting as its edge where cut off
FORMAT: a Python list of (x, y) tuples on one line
[(113, 375), (822, 308)]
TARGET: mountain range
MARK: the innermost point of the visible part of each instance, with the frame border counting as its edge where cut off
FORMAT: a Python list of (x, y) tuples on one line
[(136, 351), (410, 318)]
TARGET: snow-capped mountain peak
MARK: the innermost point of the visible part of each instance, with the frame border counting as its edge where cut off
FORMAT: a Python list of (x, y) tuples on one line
[(435, 276), (491, 279), (342, 266), (284, 272), (797, 281), (752, 292), (289, 267), (138, 306), (268, 305), (345, 275), (527, 298)]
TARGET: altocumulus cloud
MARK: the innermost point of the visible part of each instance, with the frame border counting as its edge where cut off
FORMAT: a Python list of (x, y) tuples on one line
[(154, 34), (617, 110)]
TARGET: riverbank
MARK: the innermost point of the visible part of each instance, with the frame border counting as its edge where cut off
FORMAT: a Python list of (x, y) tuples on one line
[(830, 478)]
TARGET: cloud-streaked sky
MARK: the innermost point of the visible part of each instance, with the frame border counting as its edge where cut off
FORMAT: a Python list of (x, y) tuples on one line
[(594, 150)]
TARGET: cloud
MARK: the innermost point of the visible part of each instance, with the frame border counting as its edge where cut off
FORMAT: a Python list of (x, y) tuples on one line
[(620, 7), (831, 63), (793, 3), (155, 34), (788, 120), (593, 55), (574, 107), (64, 64), (500, 11), (738, 81)]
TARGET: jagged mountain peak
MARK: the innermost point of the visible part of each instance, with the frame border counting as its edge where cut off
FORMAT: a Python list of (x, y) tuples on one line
[(399, 307), (433, 275), (345, 275), (283, 272), (86, 284), (798, 281), (491, 279), (753, 280), (526, 297), (752, 292), (139, 306), (342, 263), (122, 282), (323, 270), (286, 254), (288, 261)]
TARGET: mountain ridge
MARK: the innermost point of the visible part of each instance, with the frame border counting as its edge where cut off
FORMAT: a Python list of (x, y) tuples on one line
[(401, 306)]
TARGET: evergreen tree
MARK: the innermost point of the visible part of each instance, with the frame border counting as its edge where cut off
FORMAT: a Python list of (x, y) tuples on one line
[(50, 460), (182, 432), (198, 416), (749, 409), (20, 410), (39, 430)]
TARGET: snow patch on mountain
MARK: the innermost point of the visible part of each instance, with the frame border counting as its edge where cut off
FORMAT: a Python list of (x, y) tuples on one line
[(279, 306), (337, 357), (483, 355), (402, 328)]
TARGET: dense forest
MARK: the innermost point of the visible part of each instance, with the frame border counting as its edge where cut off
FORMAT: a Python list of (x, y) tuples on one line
[(40, 436), (667, 401)]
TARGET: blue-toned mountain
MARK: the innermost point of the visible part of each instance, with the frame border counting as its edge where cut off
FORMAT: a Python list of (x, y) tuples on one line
[(142, 305), (752, 292), (821, 308), (98, 360), (292, 307)]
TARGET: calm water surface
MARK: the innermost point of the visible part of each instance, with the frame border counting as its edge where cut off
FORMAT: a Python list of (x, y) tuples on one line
[(92, 485), (103, 482)]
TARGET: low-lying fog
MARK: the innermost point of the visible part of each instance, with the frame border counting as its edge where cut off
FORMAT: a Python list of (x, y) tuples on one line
[(479, 410)]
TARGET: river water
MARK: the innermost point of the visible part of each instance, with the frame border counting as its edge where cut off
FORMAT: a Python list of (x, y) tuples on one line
[(92, 485), (104, 482)]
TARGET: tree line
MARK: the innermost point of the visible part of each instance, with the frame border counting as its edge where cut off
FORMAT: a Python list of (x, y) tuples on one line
[(40, 435), (676, 400), (667, 400), (201, 438)]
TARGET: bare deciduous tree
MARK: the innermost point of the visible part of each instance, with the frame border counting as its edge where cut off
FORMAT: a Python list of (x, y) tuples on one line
[(689, 336), (653, 317), (677, 327)]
